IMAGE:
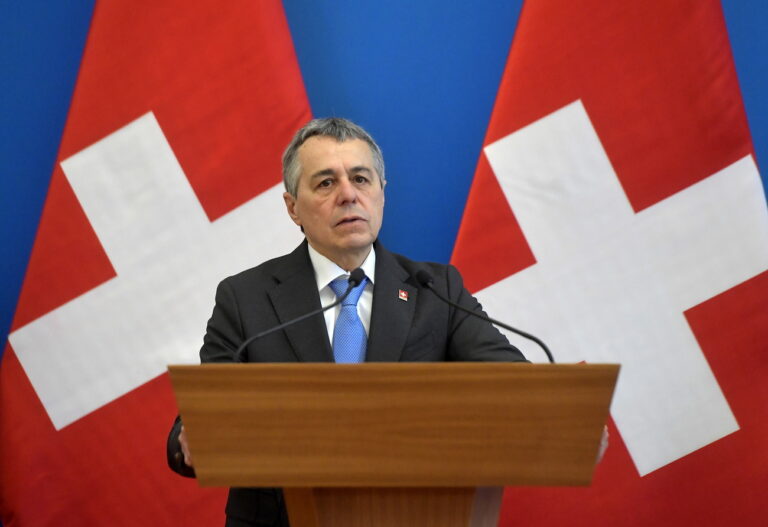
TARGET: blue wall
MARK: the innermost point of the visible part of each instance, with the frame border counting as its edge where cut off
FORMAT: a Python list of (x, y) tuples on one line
[(422, 76)]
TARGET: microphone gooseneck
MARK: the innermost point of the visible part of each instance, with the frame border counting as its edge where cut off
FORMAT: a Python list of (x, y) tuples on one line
[(355, 278), (425, 280)]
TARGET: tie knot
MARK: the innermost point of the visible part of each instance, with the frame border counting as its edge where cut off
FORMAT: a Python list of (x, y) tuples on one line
[(340, 285)]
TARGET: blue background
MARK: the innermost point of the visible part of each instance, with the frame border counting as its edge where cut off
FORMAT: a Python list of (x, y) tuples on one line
[(421, 76)]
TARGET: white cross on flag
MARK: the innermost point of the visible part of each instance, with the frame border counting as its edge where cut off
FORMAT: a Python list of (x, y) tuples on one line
[(618, 214), (168, 180)]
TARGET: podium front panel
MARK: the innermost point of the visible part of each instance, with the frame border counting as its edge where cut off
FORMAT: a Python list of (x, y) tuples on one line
[(394, 424)]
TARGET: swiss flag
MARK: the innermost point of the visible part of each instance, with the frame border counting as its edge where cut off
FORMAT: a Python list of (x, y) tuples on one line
[(175, 131), (617, 213)]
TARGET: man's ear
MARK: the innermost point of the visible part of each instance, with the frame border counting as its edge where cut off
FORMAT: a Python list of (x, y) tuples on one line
[(290, 205)]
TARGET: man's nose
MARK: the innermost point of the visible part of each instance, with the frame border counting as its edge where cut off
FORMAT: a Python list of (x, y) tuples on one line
[(347, 191)]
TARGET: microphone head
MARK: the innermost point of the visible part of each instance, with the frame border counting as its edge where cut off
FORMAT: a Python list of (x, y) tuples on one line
[(356, 276), (424, 278)]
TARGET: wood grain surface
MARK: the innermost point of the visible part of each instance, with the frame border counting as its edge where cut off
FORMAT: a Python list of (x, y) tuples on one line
[(389, 507), (394, 424)]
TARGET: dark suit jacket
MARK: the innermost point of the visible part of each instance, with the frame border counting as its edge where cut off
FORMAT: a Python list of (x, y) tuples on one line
[(423, 328)]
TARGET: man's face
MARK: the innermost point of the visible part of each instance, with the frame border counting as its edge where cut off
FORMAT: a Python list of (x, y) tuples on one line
[(340, 200)]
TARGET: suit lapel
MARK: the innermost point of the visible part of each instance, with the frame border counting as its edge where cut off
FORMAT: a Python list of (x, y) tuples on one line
[(391, 316), (295, 294)]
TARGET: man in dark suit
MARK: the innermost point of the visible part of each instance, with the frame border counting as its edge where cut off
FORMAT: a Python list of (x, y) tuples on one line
[(334, 179)]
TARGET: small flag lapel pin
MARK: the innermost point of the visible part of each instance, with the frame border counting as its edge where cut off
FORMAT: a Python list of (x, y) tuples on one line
[(402, 295)]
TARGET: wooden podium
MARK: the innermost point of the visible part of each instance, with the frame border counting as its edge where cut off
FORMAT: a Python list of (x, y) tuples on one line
[(394, 444)]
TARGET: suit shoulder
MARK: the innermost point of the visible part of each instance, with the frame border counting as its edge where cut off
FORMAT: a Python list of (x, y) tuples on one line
[(438, 271), (266, 273)]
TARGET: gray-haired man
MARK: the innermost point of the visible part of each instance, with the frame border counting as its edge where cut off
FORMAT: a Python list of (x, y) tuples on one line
[(334, 179)]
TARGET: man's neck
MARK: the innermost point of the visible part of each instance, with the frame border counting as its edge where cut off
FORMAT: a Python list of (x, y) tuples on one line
[(327, 270), (348, 260)]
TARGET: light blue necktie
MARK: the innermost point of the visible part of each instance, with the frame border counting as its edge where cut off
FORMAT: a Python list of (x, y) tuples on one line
[(349, 339)]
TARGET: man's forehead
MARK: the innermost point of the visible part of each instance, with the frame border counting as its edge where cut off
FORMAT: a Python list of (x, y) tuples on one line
[(321, 152), (323, 144)]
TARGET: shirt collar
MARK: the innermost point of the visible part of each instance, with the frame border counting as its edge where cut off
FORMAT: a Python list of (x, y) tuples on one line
[(326, 270)]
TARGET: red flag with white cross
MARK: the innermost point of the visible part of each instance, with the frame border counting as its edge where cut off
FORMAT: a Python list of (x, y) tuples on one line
[(168, 170), (617, 213)]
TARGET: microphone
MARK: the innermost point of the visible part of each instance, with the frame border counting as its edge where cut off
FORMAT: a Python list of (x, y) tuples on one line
[(355, 278), (425, 280)]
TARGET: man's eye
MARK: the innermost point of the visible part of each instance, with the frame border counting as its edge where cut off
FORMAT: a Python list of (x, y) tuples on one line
[(361, 179), (325, 183)]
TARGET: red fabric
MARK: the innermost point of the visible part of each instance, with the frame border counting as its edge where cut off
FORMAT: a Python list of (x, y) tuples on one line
[(721, 484), (224, 84), (658, 82)]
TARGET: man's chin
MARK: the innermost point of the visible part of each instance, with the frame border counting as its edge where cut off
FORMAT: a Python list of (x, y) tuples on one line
[(356, 241), (356, 245)]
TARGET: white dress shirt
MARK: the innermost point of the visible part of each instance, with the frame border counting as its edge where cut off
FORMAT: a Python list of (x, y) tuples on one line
[(326, 271)]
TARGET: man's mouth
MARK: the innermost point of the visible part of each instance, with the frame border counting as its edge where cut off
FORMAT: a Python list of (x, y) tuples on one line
[(350, 219)]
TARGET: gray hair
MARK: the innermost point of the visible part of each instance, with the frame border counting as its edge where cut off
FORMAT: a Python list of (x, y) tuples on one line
[(335, 127)]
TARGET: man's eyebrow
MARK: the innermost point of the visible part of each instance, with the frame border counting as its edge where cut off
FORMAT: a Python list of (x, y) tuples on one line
[(323, 173), (331, 172)]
